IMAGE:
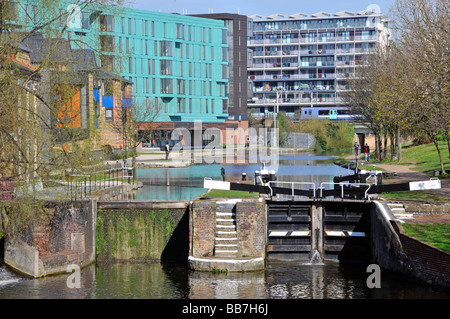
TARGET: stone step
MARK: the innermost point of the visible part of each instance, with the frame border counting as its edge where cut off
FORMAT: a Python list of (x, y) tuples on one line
[(226, 254), (225, 215), (225, 234), (226, 226)]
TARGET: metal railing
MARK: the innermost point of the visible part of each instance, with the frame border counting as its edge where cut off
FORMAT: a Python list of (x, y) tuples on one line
[(293, 187), (83, 185), (342, 187)]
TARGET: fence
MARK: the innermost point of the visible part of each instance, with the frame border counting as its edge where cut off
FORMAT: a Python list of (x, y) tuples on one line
[(82, 185)]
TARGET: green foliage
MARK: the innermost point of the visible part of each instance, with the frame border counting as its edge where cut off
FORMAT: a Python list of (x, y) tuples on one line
[(329, 135), (437, 235)]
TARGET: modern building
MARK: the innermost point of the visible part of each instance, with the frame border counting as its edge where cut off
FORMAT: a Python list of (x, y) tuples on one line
[(301, 63), (177, 64), (238, 30)]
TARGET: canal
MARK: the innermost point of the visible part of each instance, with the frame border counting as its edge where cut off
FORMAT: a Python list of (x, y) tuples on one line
[(280, 280), (186, 183)]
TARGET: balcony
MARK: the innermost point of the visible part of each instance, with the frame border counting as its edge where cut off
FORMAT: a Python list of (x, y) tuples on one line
[(317, 52)]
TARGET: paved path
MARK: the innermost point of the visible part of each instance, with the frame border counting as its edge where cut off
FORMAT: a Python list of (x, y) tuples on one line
[(405, 173)]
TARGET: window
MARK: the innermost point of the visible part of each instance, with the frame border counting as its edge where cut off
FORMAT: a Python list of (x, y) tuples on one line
[(181, 86), (224, 106), (166, 48), (107, 43), (181, 105), (85, 20), (108, 114), (180, 31), (166, 67), (106, 23), (166, 86)]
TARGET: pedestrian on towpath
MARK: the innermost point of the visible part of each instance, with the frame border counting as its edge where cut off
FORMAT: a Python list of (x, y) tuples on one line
[(367, 152), (167, 147), (356, 148)]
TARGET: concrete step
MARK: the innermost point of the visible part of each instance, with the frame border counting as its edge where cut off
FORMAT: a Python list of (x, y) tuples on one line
[(226, 234), (225, 243)]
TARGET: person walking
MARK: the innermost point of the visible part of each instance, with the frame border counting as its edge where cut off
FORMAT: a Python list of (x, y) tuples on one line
[(367, 153), (222, 173), (167, 147), (356, 148)]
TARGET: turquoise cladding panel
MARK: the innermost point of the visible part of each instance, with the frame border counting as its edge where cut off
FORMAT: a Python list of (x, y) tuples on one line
[(154, 50)]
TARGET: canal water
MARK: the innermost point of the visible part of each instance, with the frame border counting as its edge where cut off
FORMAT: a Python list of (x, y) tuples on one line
[(186, 183), (280, 280)]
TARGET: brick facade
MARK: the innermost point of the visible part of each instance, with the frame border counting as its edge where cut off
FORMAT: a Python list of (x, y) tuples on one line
[(251, 228)]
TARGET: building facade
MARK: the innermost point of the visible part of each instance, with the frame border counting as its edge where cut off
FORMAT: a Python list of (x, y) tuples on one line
[(238, 30), (301, 64), (177, 64)]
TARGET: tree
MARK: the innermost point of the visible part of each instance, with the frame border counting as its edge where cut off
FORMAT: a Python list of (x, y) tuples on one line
[(424, 38), (42, 133)]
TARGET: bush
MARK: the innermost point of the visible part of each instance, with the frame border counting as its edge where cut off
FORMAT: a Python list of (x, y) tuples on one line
[(328, 134)]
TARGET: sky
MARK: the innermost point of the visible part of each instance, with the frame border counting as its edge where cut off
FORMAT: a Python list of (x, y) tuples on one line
[(260, 7)]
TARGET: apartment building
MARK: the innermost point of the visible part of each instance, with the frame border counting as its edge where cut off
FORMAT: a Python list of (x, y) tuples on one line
[(238, 30), (301, 63), (177, 64)]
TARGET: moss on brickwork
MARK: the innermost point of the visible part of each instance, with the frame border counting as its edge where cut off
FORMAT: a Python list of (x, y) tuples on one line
[(134, 234)]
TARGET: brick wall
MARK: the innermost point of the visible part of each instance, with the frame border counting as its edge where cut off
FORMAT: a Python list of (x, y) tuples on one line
[(202, 227), (59, 235), (251, 228), (431, 264)]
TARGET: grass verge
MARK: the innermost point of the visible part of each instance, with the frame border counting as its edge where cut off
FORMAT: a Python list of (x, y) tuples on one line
[(437, 235), (229, 194)]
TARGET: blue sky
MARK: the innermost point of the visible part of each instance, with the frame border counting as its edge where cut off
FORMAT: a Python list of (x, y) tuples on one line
[(261, 7)]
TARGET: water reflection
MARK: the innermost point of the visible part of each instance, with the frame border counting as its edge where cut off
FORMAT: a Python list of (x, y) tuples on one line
[(280, 280), (186, 183)]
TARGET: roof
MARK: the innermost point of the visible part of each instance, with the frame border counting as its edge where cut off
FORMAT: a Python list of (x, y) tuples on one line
[(58, 50), (321, 14)]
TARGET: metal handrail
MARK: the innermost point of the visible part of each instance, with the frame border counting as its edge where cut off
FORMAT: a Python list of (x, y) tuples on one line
[(293, 184), (342, 187)]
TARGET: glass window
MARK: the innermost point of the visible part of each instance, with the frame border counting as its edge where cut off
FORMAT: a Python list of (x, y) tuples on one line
[(180, 31), (108, 114), (106, 23), (166, 67), (166, 86), (107, 43), (166, 48), (85, 20)]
